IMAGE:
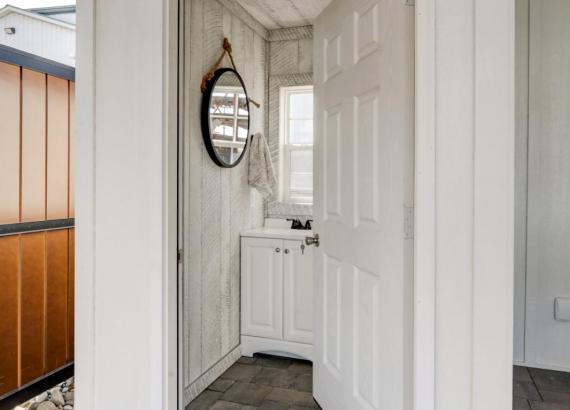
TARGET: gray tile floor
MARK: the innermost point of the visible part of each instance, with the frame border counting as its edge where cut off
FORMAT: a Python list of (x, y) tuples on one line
[(262, 382), (272, 383), (537, 389)]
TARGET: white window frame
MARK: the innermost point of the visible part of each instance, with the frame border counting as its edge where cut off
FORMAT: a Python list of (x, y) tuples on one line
[(286, 149)]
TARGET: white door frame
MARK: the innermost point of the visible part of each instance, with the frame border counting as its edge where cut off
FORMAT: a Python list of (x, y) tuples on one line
[(105, 28), (464, 204)]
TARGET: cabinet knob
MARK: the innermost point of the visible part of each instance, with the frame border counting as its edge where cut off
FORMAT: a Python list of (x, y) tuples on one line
[(287, 251), (277, 250)]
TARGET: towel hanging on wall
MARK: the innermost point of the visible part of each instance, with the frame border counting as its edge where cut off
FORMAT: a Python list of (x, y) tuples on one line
[(261, 173)]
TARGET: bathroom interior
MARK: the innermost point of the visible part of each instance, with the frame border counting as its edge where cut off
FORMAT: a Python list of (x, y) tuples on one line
[(247, 283)]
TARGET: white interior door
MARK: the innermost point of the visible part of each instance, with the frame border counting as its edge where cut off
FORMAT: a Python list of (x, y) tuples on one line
[(364, 119)]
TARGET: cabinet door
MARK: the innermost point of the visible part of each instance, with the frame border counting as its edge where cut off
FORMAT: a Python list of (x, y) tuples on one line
[(262, 287), (298, 292)]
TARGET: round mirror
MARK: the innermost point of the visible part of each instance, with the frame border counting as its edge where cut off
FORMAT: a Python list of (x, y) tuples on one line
[(225, 117)]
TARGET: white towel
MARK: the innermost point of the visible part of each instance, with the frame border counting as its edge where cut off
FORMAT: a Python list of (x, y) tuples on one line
[(261, 173)]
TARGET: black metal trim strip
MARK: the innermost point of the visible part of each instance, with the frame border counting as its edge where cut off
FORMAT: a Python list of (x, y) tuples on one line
[(18, 57), (24, 227), (37, 387)]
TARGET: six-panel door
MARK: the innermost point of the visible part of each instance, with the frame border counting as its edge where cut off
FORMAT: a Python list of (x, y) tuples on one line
[(298, 292), (262, 287)]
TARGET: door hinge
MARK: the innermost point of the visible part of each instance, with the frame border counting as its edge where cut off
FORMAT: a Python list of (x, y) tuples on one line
[(179, 256), (408, 222)]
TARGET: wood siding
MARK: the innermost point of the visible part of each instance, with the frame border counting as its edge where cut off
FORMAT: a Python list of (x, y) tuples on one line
[(9, 143), (36, 269), (9, 316)]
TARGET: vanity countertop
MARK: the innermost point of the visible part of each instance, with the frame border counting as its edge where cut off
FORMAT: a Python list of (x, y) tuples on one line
[(277, 233)]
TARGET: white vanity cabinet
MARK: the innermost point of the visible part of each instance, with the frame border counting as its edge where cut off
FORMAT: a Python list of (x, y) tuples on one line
[(276, 292)]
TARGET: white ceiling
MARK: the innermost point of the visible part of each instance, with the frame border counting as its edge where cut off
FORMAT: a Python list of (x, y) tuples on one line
[(275, 14)]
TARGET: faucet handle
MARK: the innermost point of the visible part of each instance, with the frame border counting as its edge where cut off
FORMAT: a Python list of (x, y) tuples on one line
[(295, 223)]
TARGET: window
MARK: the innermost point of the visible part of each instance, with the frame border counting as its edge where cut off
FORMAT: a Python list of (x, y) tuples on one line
[(296, 127)]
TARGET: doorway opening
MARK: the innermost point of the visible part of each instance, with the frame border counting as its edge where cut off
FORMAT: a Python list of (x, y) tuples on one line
[(298, 259)]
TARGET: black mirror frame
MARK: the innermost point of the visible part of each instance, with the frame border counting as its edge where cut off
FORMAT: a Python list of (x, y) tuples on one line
[(206, 131)]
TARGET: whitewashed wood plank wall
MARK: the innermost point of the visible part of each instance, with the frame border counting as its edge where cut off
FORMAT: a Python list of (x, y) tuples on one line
[(218, 202)]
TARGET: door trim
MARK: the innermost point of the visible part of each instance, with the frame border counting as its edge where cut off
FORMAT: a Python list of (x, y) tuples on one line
[(484, 220), (424, 209)]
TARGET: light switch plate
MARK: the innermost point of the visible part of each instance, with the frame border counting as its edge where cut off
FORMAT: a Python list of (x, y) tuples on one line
[(562, 309)]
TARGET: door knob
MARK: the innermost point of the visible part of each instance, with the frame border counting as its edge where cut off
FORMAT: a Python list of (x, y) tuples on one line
[(287, 251), (312, 240), (277, 250)]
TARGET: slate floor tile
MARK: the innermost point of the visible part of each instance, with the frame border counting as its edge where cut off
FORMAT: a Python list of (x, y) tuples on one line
[(247, 393), (521, 374), (272, 405), (221, 385), (551, 380), (303, 382), (226, 405), (241, 372), (525, 390), (520, 404), (301, 367), (555, 397), (204, 401), (292, 397), (273, 361), (247, 360), (534, 405), (271, 376)]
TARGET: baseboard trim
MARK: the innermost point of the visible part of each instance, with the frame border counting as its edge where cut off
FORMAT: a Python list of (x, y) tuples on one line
[(543, 366), (253, 344), (36, 387), (201, 383)]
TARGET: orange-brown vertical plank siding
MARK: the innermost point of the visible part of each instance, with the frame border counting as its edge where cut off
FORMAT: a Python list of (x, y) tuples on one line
[(9, 270), (33, 146), (32, 309), (9, 143), (57, 148), (56, 299), (71, 149), (71, 297)]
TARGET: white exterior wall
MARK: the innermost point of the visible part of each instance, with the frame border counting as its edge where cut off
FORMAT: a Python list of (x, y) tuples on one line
[(34, 36)]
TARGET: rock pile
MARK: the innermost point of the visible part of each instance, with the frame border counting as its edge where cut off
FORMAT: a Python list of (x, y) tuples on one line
[(58, 398)]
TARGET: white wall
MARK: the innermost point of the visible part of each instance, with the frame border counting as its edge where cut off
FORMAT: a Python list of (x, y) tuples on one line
[(126, 205), (464, 204), (521, 153), (52, 41), (542, 339)]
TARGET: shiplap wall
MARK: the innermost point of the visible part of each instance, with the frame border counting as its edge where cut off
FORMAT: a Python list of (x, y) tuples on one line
[(218, 203), (290, 64)]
